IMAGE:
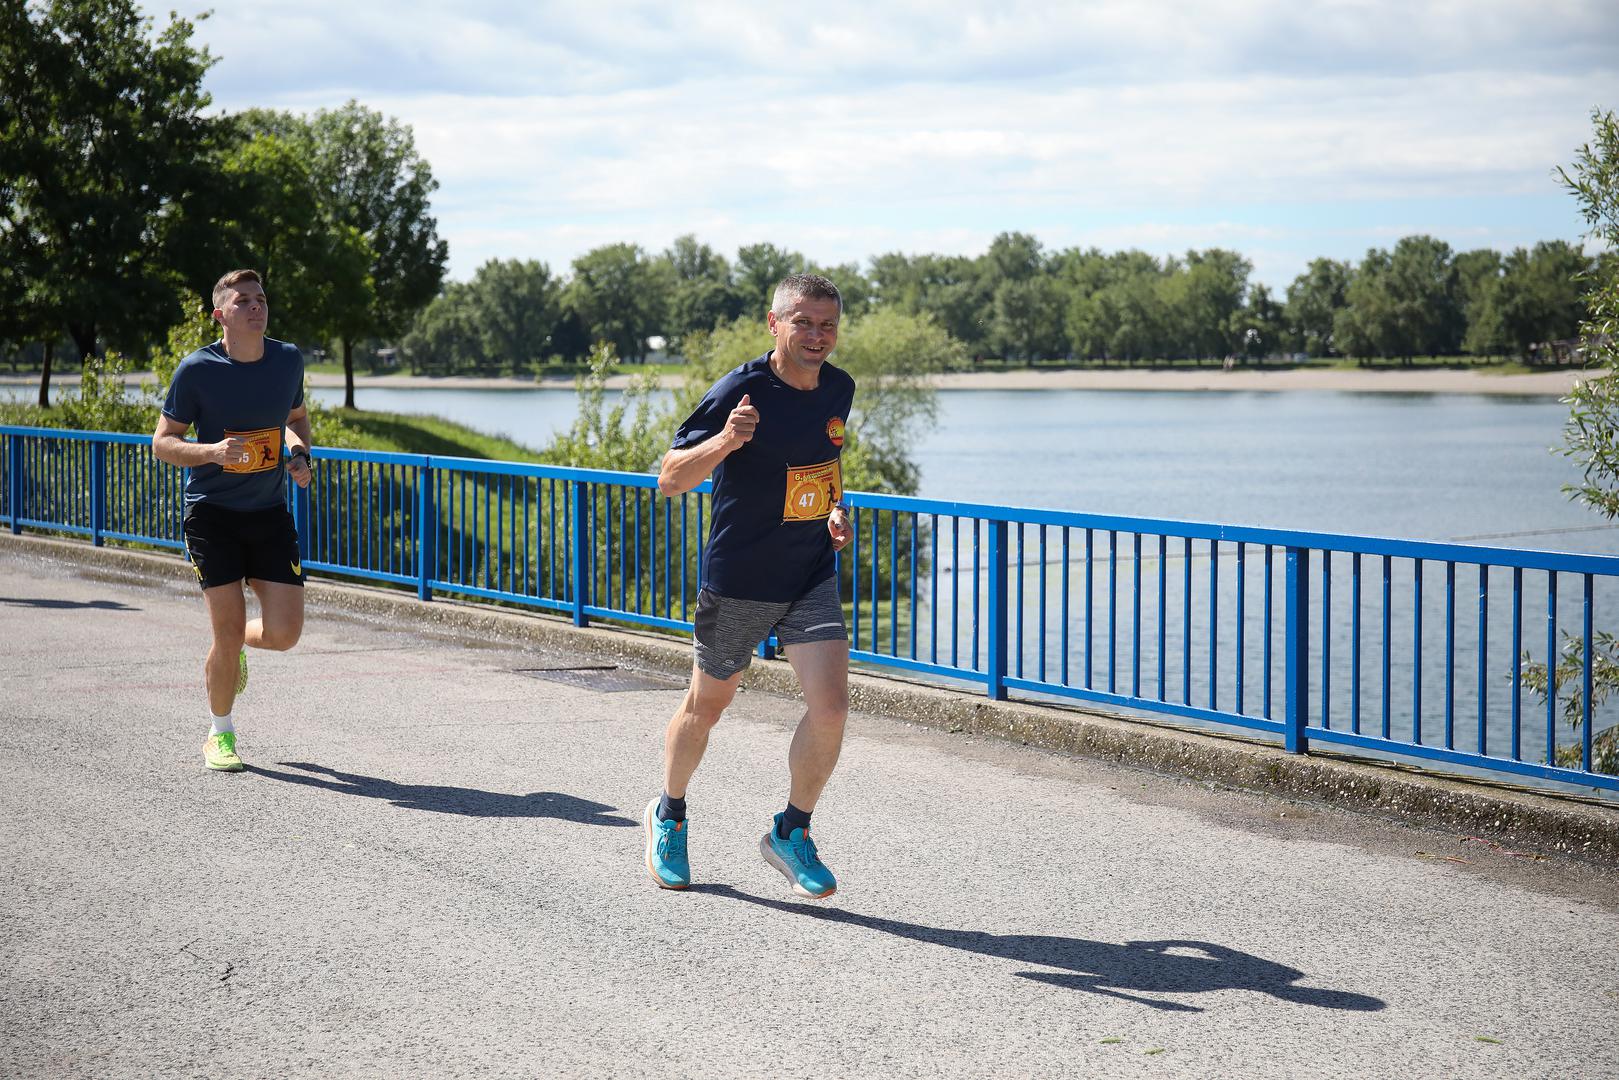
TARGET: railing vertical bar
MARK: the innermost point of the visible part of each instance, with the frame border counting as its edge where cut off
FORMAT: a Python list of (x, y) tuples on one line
[(1416, 652), (1062, 650), (1242, 616), (975, 593), (893, 583), (1450, 655), (876, 550), (1018, 622), (1135, 616), (933, 586), (1551, 667), (1326, 639), (1587, 615), (955, 587), (1354, 643), (1163, 564), (1297, 631), (1040, 638), (1388, 685), (1112, 608), (1214, 620), (913, 584), (1090, 605), (1517, 663), (1186, 621), (1483, 656)]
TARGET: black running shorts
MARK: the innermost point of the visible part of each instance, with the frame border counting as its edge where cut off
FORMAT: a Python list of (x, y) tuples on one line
[(728, 630), (228, 545)]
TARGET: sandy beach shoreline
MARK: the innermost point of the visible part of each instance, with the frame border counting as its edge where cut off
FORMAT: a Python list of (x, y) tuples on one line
[(1418, 381)]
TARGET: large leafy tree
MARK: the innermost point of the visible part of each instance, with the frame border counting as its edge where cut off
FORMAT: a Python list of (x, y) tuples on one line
[(621, 295), (371, 181), (103, 153), (446, 337), (1313, 301), (1204, 299), (1542, 294), (316, 269), (1028, 318), (1423, 282), (701, 295), (517, 302), (758, 268), (1368, 323), (1478, 279)]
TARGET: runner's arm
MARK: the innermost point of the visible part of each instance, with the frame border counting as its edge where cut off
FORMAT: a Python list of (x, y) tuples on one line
[(685, 468), (299, 440), (169, 444)]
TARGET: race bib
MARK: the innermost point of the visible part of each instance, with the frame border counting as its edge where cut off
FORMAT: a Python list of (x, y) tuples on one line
[(263, 450), (812, 491)]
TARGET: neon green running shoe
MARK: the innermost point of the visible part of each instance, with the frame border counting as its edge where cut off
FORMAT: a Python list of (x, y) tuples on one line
[(241, 670), (219, 752)]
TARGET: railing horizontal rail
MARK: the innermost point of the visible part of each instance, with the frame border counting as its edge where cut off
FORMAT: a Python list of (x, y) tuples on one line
[(1413, 650)]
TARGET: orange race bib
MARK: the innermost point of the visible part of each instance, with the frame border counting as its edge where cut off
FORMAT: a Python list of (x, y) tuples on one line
[(263, 448), (812, 491)]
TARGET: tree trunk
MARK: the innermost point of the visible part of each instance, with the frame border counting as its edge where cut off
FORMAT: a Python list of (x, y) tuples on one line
[(45, 379), (348, 374)]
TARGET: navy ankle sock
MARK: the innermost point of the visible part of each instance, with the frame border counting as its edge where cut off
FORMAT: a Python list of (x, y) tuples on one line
[(793, 818), (671, 809)]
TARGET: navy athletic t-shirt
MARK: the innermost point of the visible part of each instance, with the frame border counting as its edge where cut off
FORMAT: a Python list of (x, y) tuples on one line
[(773, 495), (219, 397)]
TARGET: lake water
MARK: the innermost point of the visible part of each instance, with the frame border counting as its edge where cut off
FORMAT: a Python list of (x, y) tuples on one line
[(1424, 466)]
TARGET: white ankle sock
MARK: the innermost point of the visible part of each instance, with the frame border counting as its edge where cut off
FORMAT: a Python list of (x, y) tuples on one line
[(221, 724)]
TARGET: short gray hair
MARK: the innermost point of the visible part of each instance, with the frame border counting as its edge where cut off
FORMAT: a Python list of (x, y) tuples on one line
[(797, 287)]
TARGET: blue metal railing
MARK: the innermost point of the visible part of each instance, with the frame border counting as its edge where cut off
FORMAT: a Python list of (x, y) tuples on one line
[(1041, 603)]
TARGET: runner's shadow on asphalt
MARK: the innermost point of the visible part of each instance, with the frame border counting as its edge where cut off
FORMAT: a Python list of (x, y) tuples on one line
[(442, 799), (40, 602), (1119, 971)]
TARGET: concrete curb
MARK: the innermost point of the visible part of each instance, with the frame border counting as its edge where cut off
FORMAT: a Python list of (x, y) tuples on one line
[(1546, 822)]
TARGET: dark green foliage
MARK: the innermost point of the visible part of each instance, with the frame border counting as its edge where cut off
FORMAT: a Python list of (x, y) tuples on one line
[(105, 163)]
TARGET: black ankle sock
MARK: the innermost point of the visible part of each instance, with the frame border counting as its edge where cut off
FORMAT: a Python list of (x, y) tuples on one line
[(671, 809), (793, 818)]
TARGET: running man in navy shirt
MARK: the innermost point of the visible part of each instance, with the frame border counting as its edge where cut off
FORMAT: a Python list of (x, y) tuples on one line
[(243, 394), (771, 433)]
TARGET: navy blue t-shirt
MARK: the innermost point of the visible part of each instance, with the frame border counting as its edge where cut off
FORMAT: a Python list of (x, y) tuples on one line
[(772, 496), (219, 397)]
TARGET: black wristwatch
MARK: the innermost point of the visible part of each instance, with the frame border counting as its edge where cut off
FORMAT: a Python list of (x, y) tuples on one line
[(296, 454)]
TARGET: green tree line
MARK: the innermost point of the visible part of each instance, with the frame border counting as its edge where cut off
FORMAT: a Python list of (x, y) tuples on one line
[(1019, 302)]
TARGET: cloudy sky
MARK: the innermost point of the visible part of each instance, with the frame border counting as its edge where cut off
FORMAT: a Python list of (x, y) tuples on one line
[(1285, 129)]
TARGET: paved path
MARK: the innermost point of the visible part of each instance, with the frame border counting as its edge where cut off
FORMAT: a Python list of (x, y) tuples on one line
[(433, 868)]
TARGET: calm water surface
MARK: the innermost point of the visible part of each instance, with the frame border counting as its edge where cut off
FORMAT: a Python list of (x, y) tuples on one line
[(1427, 466)]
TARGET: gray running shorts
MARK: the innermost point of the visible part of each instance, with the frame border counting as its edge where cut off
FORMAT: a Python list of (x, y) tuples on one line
[(728, 630)]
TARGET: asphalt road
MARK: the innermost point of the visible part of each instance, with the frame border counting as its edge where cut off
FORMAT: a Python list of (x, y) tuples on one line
[(433, 867)]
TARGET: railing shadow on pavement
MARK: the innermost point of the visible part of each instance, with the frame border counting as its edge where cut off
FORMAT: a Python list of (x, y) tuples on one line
[(1100, 967), (446, 799), (57, 605)]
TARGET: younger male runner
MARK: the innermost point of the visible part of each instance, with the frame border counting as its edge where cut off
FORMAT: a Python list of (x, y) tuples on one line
[(771, 432), (242, 393)]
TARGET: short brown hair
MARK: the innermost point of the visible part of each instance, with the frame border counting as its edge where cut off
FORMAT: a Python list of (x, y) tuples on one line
[(224, 286)]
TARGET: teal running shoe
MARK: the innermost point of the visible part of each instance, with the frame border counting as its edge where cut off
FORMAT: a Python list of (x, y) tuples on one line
[(798, 862), (666, 850)]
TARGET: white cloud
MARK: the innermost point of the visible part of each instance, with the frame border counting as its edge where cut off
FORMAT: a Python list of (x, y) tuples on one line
[(932, 126)]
